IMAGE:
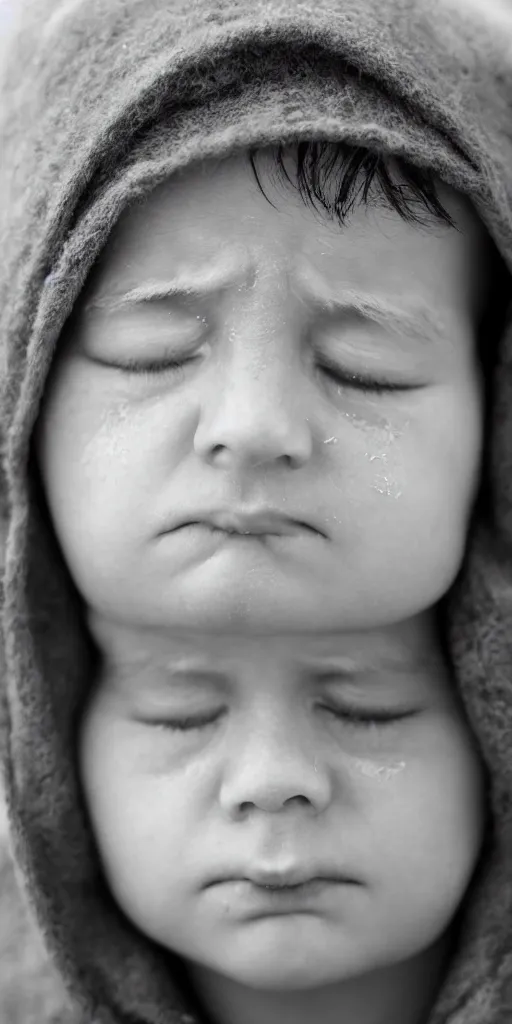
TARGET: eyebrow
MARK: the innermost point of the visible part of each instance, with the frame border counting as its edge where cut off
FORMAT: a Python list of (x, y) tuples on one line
[(163, 674), (413, 319), (208, 280)]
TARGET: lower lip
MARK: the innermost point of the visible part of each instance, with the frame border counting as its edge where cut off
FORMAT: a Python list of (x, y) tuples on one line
[(246, 895)]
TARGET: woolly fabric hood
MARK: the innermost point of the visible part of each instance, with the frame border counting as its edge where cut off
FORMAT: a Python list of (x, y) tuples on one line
[(100, 101)]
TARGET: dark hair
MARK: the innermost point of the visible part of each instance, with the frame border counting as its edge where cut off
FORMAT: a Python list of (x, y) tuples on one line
[(362, 176)]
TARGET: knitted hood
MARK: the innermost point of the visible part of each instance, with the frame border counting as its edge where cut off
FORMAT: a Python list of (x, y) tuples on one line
[(100, 101)]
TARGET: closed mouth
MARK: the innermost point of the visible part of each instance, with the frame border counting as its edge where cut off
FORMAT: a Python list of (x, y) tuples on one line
[(288, 530), (254, 525), (262, 522)]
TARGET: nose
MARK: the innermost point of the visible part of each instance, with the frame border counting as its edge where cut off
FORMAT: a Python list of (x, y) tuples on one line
[(256, 415), (271, 775)]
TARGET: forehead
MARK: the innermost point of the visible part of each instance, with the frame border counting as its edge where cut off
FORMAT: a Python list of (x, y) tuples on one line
[(215, 215)]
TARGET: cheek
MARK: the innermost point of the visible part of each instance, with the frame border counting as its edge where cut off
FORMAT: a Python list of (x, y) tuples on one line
[(435, 819), (99, 456), (416, 477), (137, 824)]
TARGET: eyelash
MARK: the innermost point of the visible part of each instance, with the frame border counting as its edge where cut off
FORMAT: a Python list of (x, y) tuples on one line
[(367, 385), (362, 383), (356, 718)]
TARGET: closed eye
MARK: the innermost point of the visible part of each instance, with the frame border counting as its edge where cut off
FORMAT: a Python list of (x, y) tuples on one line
[(365, 384), (368, 718), (342, 378), (353, 716)]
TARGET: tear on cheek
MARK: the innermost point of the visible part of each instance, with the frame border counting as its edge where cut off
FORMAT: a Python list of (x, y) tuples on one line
[(382, 451), (385, 456), (377, 772)]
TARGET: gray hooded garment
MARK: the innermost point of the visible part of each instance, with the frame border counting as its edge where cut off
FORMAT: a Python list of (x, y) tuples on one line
[(100, 100)]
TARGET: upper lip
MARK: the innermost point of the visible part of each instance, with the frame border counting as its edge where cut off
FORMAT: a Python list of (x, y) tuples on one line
[(285, 877), (256, 521)]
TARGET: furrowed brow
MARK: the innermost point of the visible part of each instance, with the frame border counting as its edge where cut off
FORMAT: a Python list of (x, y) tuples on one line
[(411, 319), (416, 320), (208, 280)]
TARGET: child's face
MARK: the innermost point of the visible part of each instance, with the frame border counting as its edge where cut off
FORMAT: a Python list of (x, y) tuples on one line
[(261, 626), (385, 480), (275, 780)]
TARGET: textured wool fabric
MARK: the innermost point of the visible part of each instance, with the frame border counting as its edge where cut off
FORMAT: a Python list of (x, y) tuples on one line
[(100, 101)]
